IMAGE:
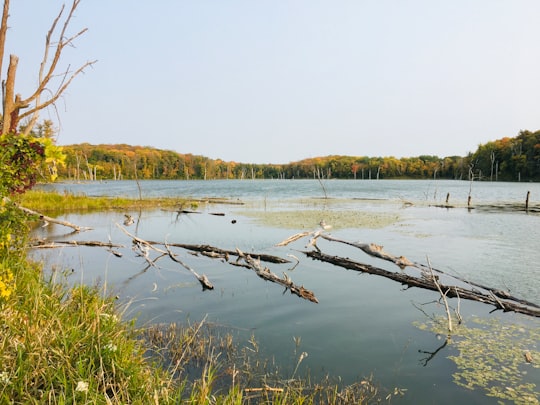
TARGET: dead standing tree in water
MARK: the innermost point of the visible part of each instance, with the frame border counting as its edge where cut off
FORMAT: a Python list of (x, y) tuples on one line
[(49, 77)]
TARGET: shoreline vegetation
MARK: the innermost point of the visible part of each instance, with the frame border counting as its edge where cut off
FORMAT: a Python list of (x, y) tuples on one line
[(506, 159), (71, 344)]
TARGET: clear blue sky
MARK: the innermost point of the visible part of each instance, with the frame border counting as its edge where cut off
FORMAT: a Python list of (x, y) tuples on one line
[(269, 81)]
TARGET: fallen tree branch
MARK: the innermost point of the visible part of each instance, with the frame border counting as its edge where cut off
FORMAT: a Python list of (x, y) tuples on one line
[(42, 244), (425, 283), (144, 246), (206, 285), (377, 251), (495, 291), (369, 248), (374, 250), (266, 274), (47, 219), (223, 253), (293, 238)]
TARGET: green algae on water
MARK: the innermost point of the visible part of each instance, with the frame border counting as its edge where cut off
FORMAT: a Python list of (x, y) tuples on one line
[(493, 356), (310, 219)]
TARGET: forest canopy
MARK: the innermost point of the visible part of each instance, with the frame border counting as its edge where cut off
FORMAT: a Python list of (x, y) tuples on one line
[(509, 159)]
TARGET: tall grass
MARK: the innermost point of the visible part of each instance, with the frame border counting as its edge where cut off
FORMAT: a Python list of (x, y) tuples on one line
[(69, 345)]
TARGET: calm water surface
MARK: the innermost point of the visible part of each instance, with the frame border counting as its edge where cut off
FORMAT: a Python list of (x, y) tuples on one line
[(363, 325)]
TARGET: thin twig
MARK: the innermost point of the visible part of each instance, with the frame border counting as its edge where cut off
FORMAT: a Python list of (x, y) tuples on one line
[(443, 296)]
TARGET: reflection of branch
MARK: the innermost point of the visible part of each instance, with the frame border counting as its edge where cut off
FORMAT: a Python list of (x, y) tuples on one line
[(427, 359), (206, 285)]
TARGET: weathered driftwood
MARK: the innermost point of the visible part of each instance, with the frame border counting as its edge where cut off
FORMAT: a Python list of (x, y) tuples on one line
[(266, 274), (215, 252), (374, 250), (144, 247), (214, 200), (377, 251), (43, 244), (47, 219), (206, 285), (293, 238), (496, 292), (427, 283)]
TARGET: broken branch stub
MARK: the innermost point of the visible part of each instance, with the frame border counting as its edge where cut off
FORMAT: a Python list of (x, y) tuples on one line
[(206, 285), (266, 274)]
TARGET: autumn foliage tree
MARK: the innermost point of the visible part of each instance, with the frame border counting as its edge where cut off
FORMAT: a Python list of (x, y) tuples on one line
[(512, 159)]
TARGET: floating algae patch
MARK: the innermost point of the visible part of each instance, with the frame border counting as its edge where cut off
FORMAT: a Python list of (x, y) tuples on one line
[(500, 359), (310, 219)]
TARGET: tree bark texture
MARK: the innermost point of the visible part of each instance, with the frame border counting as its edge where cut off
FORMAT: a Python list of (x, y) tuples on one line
[(428, 284)]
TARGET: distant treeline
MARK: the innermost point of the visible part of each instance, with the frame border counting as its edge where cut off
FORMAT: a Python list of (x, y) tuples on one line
[(512, 159)]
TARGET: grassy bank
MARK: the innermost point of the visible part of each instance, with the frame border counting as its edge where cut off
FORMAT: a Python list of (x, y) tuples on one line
[(54, 202), (65, 345), (70, 344)]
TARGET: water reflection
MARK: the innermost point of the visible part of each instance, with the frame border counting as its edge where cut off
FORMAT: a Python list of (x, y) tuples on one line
[(363, 324)]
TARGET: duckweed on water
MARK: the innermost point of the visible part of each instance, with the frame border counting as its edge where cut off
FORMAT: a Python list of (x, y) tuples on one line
[(309, 219), (493, 356)]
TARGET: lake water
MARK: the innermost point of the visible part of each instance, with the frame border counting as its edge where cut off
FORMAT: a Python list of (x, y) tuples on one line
[(363, 325)]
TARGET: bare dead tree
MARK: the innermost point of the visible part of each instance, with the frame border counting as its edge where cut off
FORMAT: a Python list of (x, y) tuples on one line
[(12, 102)]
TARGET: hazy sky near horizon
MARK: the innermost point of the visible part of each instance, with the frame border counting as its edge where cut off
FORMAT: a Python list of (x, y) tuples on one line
[(267, 81)]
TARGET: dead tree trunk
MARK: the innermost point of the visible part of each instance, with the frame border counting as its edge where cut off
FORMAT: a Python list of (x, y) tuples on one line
[(13, 103)]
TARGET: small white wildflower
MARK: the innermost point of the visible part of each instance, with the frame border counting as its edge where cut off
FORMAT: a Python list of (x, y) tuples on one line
[(113, 317), (82, 386), (110, 347), (4, 378)]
